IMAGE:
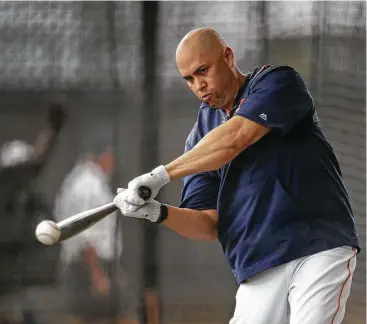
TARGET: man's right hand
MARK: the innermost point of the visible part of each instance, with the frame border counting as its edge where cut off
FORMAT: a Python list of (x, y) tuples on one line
[(100, 284)]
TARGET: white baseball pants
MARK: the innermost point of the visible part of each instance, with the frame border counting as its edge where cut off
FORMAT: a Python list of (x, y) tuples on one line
[(309, 290)]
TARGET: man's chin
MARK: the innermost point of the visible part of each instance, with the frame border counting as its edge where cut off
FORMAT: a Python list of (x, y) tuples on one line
[(213, 105)]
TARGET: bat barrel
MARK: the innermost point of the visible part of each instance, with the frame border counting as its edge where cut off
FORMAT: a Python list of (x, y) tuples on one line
[(80, 222)]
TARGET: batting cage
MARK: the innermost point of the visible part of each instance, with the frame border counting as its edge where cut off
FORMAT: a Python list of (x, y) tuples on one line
[(110, 67)]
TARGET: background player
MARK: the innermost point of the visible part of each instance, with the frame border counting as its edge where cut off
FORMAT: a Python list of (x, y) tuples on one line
[(87, 260), (20, 209)]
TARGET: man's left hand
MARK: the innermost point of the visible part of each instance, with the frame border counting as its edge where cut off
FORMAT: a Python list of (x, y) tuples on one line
[(151, 210), (154, 180)]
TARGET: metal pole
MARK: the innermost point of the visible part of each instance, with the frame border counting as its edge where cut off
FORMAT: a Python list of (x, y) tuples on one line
[(116, 145), (111, 30), (317, 64), (149, 145), (264, 32), (315, 49)]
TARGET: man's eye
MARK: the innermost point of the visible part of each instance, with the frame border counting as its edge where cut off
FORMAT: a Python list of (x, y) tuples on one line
[(204, 70)]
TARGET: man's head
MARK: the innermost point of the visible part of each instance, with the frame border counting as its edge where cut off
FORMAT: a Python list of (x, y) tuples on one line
[(106, 161), (15, 152), (104, 158), (95, 144), (207, 64)]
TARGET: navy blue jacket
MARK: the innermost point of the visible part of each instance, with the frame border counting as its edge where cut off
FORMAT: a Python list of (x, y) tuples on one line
[(283, 197)]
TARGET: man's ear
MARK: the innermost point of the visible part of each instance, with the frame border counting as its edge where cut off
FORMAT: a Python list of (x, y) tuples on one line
[(229, 57)]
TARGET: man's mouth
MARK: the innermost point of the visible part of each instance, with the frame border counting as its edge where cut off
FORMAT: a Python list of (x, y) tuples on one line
[(206, 97)]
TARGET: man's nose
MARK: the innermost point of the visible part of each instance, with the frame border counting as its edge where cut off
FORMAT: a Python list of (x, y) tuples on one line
[(200, 84)]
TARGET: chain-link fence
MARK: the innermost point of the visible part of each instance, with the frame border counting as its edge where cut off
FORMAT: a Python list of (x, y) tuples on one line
[(90, 55)]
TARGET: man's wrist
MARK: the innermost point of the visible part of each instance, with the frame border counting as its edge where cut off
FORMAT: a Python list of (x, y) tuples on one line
[(163, 214), (162, 174)]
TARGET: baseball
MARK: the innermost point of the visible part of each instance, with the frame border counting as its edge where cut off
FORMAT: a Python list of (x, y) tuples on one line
[(47, 232)]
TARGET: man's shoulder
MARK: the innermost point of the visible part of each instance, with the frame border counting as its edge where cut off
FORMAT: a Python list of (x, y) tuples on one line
[(260, 70), (271, 73), (83, 175), (83, 188)]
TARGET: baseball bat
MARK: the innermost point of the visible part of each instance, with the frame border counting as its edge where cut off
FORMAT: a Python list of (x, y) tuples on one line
[(77, 223)]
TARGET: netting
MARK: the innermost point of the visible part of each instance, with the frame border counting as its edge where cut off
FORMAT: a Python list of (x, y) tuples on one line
[(92, 53), (65, 45), (340, 88)]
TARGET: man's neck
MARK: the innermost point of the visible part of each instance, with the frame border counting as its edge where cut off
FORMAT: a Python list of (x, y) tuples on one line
[(240, 81)]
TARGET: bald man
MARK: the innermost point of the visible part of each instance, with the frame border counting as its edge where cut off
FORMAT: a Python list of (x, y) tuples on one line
[(259, 176)]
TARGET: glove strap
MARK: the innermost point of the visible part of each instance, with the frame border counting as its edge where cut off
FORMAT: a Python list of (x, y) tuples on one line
[(163, 214)]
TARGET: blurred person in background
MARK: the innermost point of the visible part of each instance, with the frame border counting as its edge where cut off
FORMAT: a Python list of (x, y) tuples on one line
[(20, 210), (92, 289)]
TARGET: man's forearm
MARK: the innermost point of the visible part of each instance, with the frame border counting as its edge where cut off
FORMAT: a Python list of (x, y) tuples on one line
[(47, 137), (193, 224), (91, 259), (44, 143), (211, 153), (217, 148)]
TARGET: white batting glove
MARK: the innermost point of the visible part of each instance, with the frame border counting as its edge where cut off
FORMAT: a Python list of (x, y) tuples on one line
[(154, 180), (151, 210)]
